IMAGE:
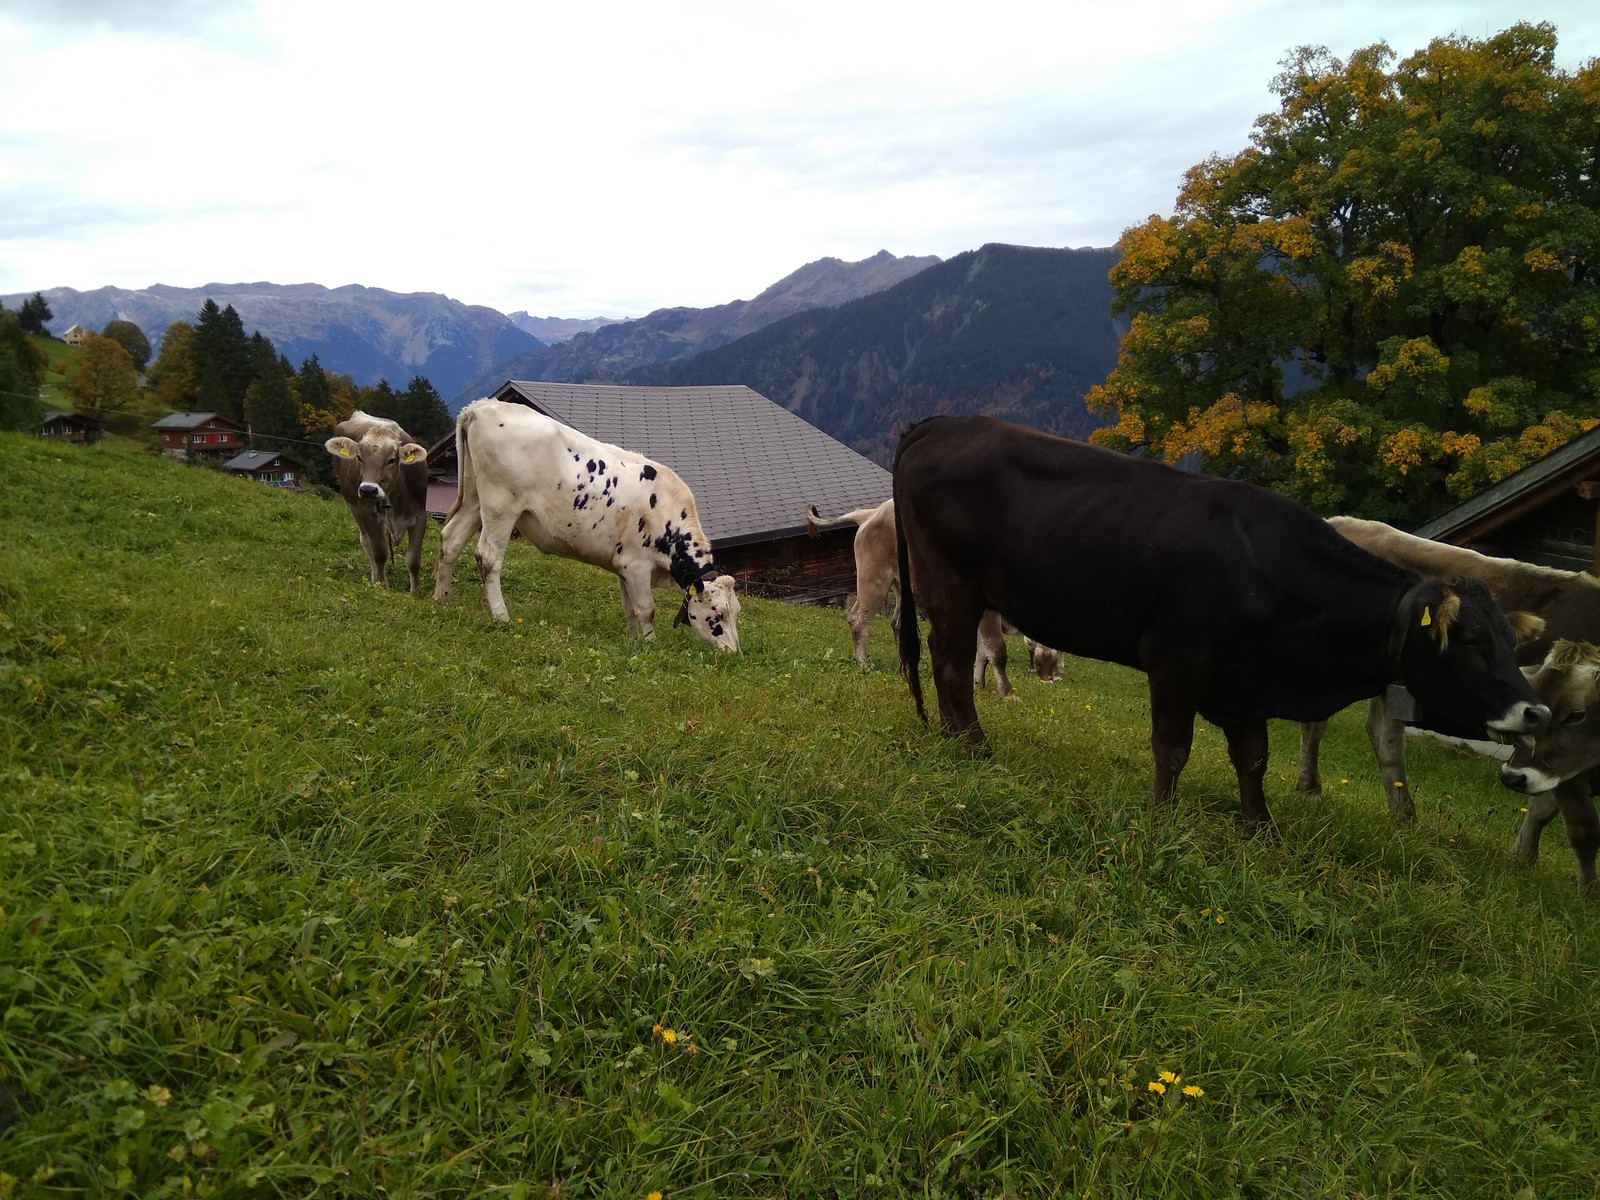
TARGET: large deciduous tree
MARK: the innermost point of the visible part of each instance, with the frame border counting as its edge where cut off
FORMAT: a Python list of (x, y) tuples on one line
[(102, 379), (1390, 298), (132, 339)]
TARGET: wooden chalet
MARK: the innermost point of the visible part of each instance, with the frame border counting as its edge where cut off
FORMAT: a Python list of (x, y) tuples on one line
[(269, 467), (83, 429), (203, 434), (75, 336), (753, 467), (1548, 512)]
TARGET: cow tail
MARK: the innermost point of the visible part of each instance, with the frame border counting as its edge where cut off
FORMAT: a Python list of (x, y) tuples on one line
[(906, 618), (466, 481)]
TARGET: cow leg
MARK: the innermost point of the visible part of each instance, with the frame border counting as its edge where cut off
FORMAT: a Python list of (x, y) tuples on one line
[(1388, 738), (992, 649), (376, 544), (1247, 750), (1583, 831), (457, 532), (419, 528), (1541, 810), (1310, 780), (1172, 714), (952, 642), (492, 541), (639, 603), (870, 596)]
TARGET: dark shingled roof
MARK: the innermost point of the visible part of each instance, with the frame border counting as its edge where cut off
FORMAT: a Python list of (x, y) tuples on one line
[(1506, 499), (753, 465), (189, 420), (255, 460)]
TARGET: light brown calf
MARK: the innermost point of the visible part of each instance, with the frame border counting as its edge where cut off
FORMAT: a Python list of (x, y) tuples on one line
[(1557, 770)]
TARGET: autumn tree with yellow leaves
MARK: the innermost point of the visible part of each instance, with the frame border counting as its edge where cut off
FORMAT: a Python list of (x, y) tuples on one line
[(1388, 301)]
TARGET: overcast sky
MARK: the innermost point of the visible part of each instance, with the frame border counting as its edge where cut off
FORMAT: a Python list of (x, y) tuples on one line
[(610, 158)]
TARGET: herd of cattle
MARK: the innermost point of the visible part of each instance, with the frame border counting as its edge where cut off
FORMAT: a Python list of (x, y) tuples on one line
[(1238, 604)]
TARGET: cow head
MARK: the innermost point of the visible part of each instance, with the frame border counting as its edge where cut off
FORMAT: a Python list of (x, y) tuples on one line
[(378, 456), (1043, 661), (1569, 682), (711, 609), (1455, 653)]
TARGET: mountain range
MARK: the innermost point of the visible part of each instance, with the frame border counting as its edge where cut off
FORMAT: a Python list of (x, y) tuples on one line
[(614, 352), (857, 349), (366, 333)]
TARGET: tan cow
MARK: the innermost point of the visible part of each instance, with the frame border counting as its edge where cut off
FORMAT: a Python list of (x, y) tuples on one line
[(1542, 604), (573, 496), (877, 573), (383, 477), (1557, 771)]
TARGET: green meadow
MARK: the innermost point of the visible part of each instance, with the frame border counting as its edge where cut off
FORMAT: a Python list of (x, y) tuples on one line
[(309, 888)]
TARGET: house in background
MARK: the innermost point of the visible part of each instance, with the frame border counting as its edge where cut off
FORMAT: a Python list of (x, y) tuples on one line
[(85, 429), (753, 467), (269, 467), (203, 434), (75, 335), (1547, 513)]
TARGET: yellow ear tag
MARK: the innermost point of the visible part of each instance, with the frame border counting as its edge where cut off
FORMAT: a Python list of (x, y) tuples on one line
[(344, 451), (1427, 616), (698, 588), (411, 457)]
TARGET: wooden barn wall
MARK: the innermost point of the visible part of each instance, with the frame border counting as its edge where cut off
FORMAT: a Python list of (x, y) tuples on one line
[(820, 570), (1560, 534)]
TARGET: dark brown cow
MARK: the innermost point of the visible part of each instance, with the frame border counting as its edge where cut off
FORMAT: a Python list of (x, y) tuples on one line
[(1566, 602), (383, 477), (1557, 768), (1239, 604)]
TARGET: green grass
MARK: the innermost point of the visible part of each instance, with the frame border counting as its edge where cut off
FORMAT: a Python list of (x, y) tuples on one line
[(59, 358), (310, 888)]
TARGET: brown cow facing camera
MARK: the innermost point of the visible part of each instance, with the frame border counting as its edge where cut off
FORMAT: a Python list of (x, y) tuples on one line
[(383, 477)]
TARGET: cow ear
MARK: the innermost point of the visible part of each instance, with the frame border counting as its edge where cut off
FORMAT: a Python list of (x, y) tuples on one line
[(411, 452), (340, 447), (698, 587), (1439, 620), (1526, 626)]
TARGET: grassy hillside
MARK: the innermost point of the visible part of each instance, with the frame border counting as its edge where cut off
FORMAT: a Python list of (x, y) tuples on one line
[(308, 888)]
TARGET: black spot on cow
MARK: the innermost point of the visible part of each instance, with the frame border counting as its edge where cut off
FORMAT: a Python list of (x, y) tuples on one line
[(683, 514), (646, 472), (641, 524), (619, 547), (589, 466), (602, 466), (610, 500), (652, 499), (577, 458)]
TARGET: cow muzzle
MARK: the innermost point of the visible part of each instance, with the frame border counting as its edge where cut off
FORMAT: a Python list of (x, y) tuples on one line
[(371, 491), (1528, 780), (1522, 718)]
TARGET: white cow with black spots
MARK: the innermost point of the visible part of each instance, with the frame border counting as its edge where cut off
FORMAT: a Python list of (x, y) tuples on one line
[(579, 498)]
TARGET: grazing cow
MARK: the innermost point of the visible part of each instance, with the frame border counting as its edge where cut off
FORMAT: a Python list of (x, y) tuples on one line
[(573, 496), (383, 477), (1558, 769), (1566, 602), (1237, 603), (877, 573)]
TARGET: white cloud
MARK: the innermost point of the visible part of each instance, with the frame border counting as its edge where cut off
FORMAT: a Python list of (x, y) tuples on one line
[(621, 157)]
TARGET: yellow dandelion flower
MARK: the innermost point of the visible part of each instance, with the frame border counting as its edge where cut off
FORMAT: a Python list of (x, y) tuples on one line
[(669, 1036), (655, 1030), (1219, 918), (1168, 1077), (1205, 912), (158, 1095), (1156, 1086), (691, 1049), (1194, 1090), (653, 1196)]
